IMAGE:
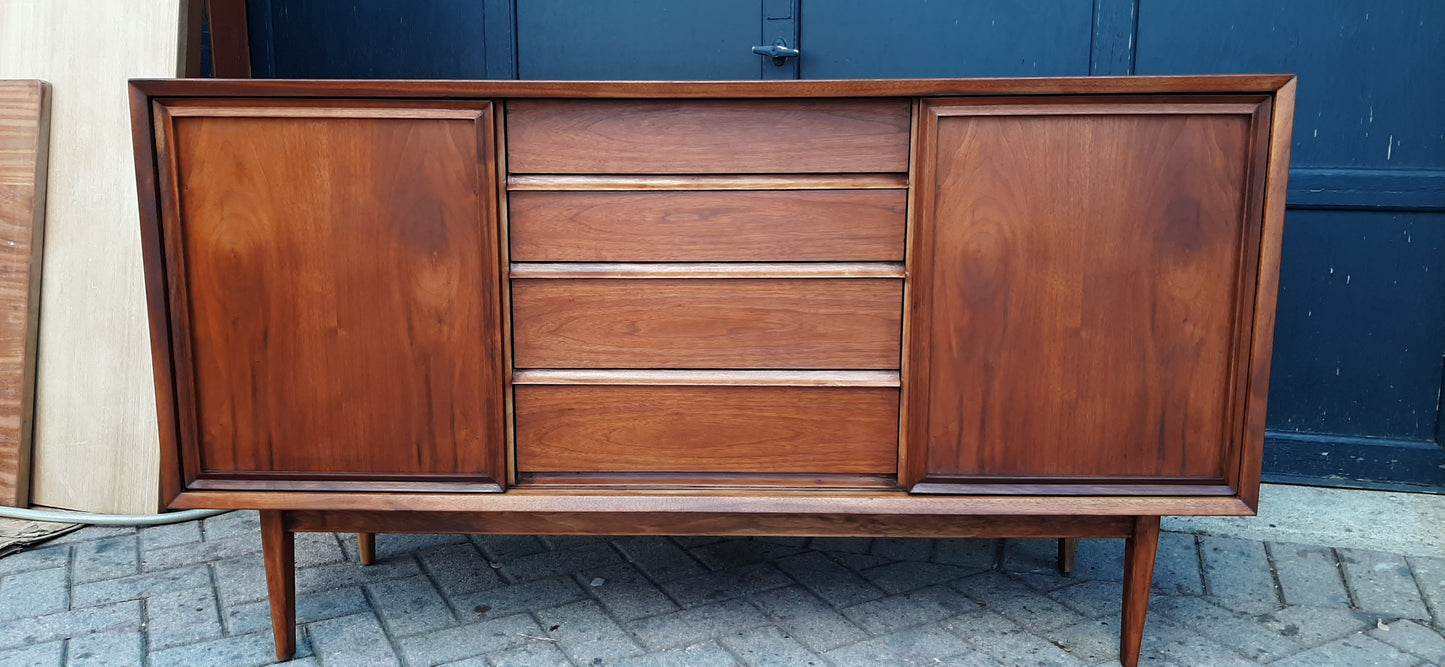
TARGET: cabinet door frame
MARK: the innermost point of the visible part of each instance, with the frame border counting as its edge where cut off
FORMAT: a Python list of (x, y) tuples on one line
[(1253, 317), (171, 330)]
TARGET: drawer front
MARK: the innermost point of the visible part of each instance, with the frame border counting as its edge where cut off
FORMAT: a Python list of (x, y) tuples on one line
[(708, 226), (707, 136), (707, 429), (707, 323)]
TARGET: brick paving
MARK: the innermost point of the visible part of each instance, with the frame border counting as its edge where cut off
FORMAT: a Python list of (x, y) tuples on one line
[(194, 594)]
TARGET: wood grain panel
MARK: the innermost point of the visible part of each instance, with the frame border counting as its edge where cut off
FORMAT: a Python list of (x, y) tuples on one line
[(1086, 275), (24, 145), (707, 323), (707, 136), (706, 429), (95, 438), (337, 306), (634, 182), (744, 226)]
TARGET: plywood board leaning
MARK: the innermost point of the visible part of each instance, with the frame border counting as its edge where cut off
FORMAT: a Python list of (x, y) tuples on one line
[(95, 445), (24, 140)]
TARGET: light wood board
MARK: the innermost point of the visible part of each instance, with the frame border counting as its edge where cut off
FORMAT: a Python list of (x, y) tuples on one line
[(24, 139), (95, 444)]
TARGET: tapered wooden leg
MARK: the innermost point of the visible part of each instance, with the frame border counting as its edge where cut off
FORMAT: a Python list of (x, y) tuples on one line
[(366, 547), (279, 547), (1067, 547), (1139, 553)]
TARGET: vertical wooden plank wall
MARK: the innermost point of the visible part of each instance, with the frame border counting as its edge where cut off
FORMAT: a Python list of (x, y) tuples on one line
[(24, 140), (95, 418)]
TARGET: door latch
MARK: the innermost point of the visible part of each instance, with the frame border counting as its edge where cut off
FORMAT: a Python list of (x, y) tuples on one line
[(778, 51)]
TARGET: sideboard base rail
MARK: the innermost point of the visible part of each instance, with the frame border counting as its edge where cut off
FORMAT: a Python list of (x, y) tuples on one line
[(278, 529)]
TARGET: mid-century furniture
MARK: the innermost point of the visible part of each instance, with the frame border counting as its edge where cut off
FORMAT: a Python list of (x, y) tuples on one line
[(1006, 308)]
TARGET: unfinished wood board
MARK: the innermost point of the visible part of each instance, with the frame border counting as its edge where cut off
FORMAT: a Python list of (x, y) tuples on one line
[(24, 138), (95, 445)]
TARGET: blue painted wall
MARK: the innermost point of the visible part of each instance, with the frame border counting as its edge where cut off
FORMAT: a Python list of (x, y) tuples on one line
[(1360, 345)]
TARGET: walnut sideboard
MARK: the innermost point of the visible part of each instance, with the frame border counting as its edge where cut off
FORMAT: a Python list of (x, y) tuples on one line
[(949, 308)]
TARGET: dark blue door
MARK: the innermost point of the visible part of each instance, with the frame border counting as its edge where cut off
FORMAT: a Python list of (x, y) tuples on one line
[(1359, 361)]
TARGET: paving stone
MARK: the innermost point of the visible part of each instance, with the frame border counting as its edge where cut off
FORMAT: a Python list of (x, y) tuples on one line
[(1097, 559), (694, 541), (966, 552), (1166, 641), (182, 617), (903, 548), (139, 586), (770, 647), (1031, 555), (503, 548), (351, 640), (1237, 569), (626, 593), (702, 654), (827, 579), (458, 569), (550, 564), (508, 600), (202, 552), (916, 608), (999, 593), (466, 641), (1095, 640), (240, 580), (1352, 650), (661, 558), (1092, 598), (251, 650), (927, 645), (409, 606), (107, 558), (169, 535), (1315, 625), (556, 542), (1227, 628), (690, 626), (123, 616), (906, 576), (858, 562), (1176, 567), (90, 533), (316, 549), (231, 524), (36, 559), (1383, 584), (37, 655), (1309, 575), (390, 545), (337, 575), (1430, 575), (808, 619), (731, 554), (105, 649), (310, 607), (725, 584), (1414, 638), (857, 545), (586, 633), (1006, 641), (33, 593), (531, 654)]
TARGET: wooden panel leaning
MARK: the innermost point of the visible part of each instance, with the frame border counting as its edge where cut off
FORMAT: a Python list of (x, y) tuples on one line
[(24, 145), (708, 339)]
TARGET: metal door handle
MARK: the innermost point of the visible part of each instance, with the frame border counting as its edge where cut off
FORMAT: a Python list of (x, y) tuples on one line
[(778, 51)]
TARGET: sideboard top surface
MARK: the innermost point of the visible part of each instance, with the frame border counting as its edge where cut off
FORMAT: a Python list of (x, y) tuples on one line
[(1089, 85)]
